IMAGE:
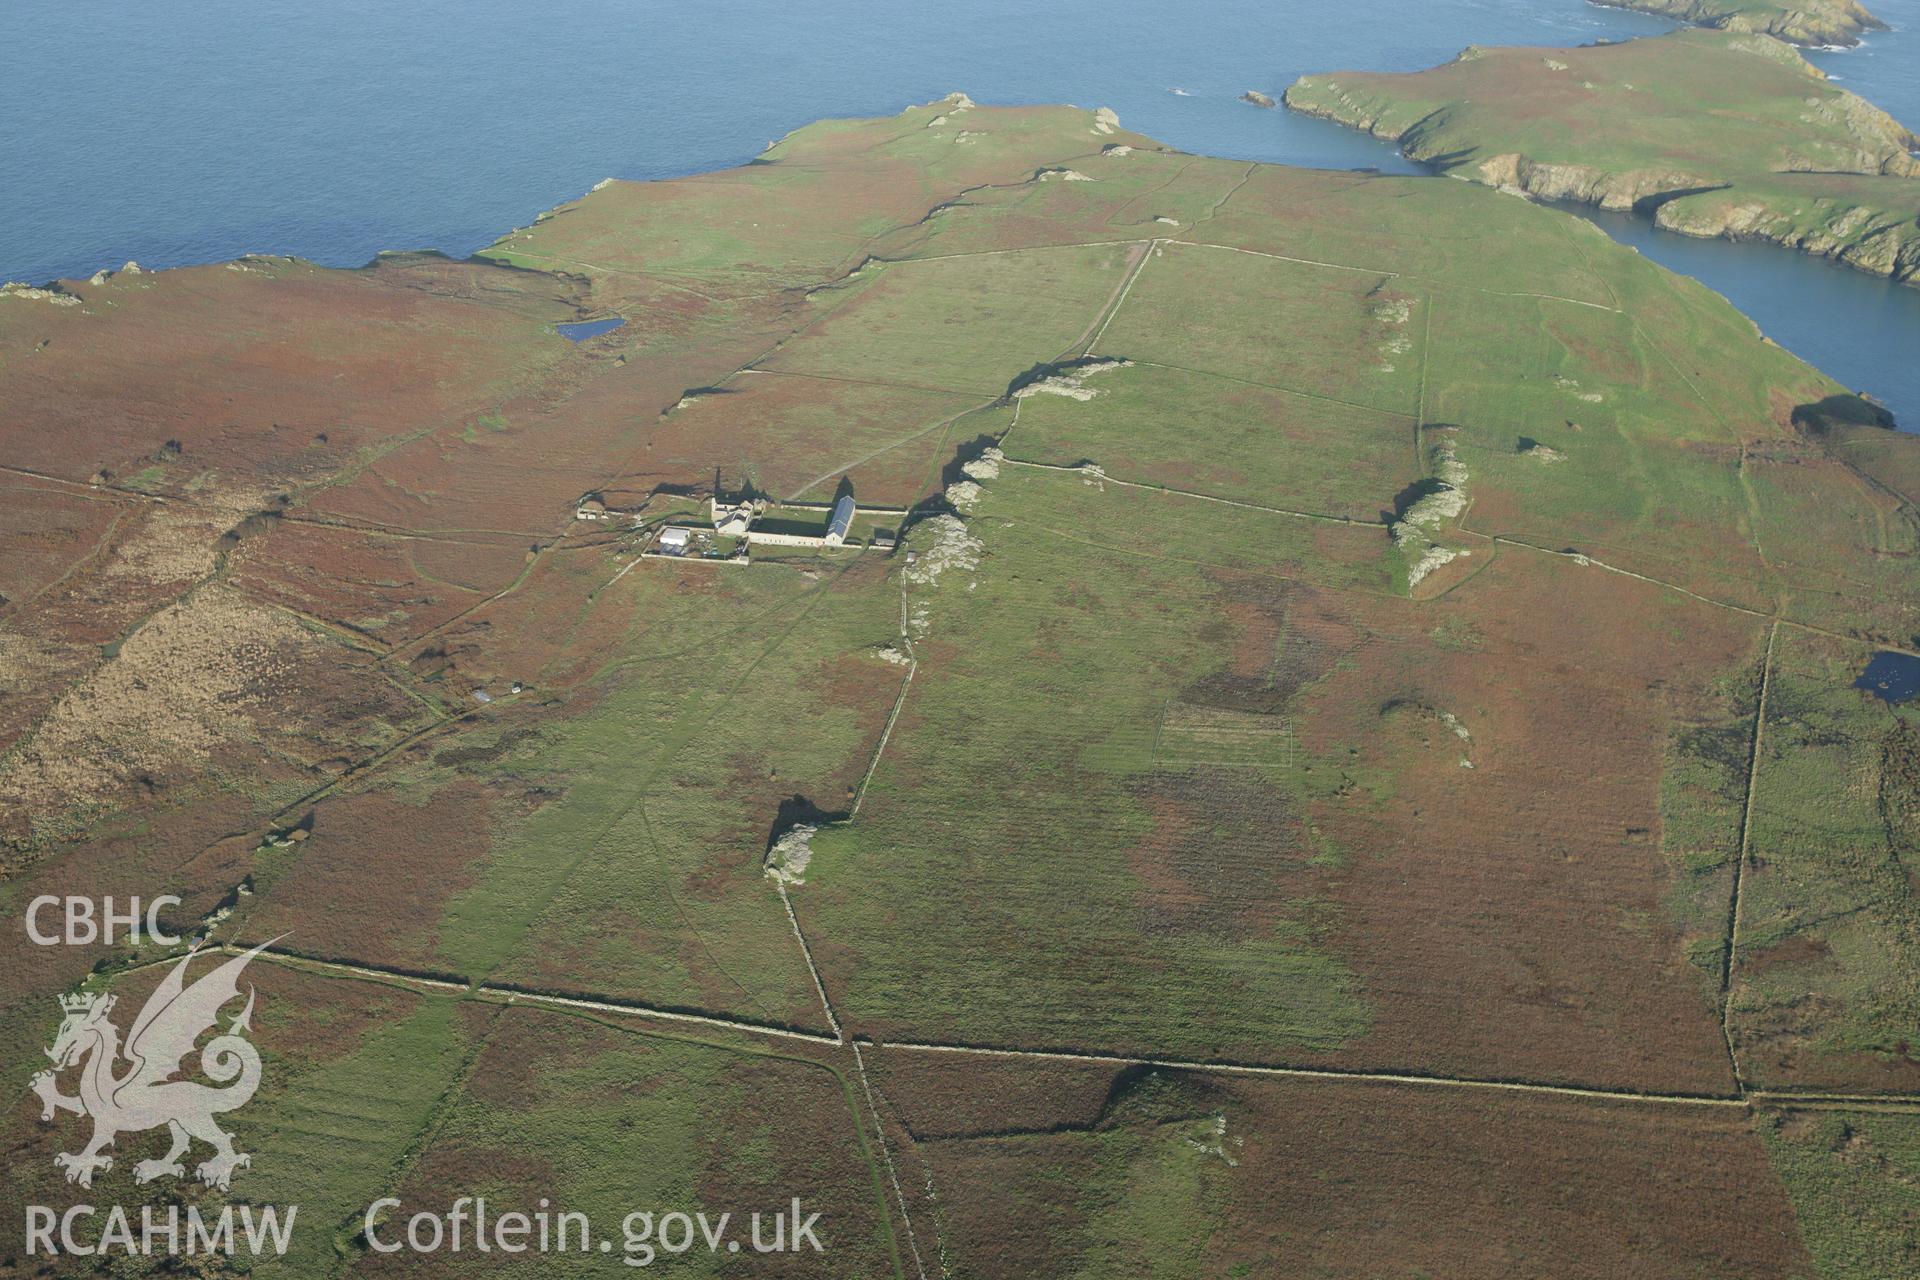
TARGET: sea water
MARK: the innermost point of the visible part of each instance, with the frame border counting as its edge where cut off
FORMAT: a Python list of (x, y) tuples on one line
[(173, 134)]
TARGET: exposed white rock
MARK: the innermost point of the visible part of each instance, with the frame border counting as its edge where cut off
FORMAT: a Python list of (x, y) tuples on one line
[(16, 289), (787, 860), (1445, 503), (943, 543), (964, 495), (1393, 310), (1070, 383), (986, 466), (1213, 1141), (1432, 558)]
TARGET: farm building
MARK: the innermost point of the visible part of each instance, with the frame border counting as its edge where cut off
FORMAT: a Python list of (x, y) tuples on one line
[(597, 506), (763, 522), (841, 521), (802, 524), (673, 540), (732, 518)]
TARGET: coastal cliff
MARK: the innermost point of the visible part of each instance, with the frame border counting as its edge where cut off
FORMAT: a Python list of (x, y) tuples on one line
[(1860, 235), (1785, 157), (1810, 23)]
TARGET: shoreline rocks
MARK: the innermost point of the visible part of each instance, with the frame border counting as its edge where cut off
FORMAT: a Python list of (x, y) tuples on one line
[(1837, 189), (1813, 24)]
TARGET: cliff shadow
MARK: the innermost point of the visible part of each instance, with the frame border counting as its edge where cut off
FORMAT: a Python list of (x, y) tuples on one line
[(1839, 413)]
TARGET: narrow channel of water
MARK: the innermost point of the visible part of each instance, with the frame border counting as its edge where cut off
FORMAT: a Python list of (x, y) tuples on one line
[(1861, 329)]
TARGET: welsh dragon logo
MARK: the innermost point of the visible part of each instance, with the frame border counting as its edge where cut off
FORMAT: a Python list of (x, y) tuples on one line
[(145, 1094)]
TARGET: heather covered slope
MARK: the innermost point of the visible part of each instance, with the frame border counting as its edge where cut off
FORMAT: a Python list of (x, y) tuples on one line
[(1710, 133), (1349, 626)]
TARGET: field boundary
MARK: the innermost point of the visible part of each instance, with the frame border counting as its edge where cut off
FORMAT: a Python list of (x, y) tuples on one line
[(1730, 953), (494, 993), (1196, 495)]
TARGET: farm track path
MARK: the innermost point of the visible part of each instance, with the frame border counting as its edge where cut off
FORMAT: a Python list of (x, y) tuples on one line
[(1097, 327), (1104, 478), (1392, 274)]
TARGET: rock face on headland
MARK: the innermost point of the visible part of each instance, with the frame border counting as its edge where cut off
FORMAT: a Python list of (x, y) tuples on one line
[(1812, 23), (1710, 134)]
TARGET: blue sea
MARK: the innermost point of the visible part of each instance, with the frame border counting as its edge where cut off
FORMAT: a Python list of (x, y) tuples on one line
[(176, 133)]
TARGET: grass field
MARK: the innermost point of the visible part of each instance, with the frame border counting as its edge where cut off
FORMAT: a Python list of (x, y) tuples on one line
[(590, 1118), (1181, 1176), (1204, 869), (1351, 624), (1828, 976)]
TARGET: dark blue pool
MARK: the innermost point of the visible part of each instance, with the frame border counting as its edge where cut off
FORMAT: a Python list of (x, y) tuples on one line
[(581, 330), (1891, 677)]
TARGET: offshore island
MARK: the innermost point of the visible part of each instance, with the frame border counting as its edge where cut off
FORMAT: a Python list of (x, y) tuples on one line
[(1832, 24), (1708, 133)]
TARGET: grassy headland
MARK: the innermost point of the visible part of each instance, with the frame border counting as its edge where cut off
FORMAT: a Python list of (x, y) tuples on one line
[(1712, 134), (1814, 23)]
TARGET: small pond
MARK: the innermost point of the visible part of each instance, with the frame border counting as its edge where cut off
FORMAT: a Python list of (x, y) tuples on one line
[(1891, 677), (581, 330)]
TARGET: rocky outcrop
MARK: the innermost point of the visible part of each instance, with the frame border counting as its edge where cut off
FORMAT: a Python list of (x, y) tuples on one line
[(1883, 242), (1322, 98), (1839, 188), (104, 274), (1586, 184), (1812, 23), (1880, 144), (1425, 140), (1258, 99), (53, 293)]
